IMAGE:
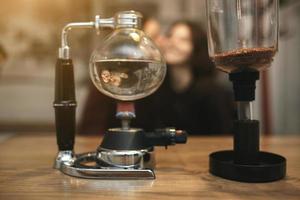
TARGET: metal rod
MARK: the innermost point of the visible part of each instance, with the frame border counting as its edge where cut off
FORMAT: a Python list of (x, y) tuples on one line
[(130, 19), (68, 27), (64, 50)]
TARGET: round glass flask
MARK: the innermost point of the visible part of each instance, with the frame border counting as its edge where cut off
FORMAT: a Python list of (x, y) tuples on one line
[(128, 65)]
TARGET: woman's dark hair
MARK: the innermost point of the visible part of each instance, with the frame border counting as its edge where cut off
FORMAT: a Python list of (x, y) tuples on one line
[(200, 62)]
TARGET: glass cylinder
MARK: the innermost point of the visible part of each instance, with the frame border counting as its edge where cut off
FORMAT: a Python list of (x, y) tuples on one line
[(242, 34)]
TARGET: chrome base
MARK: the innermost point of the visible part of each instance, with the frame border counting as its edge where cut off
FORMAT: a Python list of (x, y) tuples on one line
[(108, 164), (64, 158), (129, 159)]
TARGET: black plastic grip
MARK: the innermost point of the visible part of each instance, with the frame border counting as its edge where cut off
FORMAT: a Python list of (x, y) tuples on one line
[(65, 104), (246, 141), (244, 85), (165, 137)]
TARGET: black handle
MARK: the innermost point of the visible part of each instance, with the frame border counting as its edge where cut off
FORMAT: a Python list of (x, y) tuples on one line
[(167, 136), (65, 104)]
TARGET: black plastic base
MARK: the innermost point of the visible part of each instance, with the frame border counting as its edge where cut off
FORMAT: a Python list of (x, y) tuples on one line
[(137, 139), (270, 167)]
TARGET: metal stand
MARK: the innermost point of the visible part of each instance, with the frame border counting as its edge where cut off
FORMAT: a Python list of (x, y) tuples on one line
[(125, 153), (86, 166)]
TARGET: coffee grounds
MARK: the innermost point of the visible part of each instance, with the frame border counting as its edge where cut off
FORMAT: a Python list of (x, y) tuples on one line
[(244, 58)]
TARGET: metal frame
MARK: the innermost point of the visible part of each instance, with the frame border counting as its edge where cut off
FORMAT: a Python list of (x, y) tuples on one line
[(73, 165)]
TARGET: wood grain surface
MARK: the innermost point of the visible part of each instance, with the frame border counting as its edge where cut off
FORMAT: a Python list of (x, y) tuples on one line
[(182, 172)]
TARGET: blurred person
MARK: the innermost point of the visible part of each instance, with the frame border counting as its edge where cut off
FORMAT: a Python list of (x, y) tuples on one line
[(3, 57), (190, 97), (152, 29)]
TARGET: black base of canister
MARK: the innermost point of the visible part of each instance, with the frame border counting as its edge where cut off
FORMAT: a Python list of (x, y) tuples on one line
[(269, 167)]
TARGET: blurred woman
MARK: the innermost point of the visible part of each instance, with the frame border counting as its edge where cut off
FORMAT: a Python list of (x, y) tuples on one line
[(190, 97), (3, 57), (152, 28)]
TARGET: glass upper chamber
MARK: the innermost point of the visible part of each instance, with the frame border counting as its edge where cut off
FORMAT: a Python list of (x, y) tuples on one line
[(242, 34), (127, 65)]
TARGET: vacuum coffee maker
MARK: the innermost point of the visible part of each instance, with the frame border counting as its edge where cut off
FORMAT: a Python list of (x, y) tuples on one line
[(242, 40), (126, 66)]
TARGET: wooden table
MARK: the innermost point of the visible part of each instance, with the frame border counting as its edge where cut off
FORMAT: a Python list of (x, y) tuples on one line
[(182, 172)]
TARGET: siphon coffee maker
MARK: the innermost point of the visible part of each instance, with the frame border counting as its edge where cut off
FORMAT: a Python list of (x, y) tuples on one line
[(242, 40), (126, 66)]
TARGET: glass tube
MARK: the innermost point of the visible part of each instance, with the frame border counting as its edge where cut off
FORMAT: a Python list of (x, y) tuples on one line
[(244, 110)]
